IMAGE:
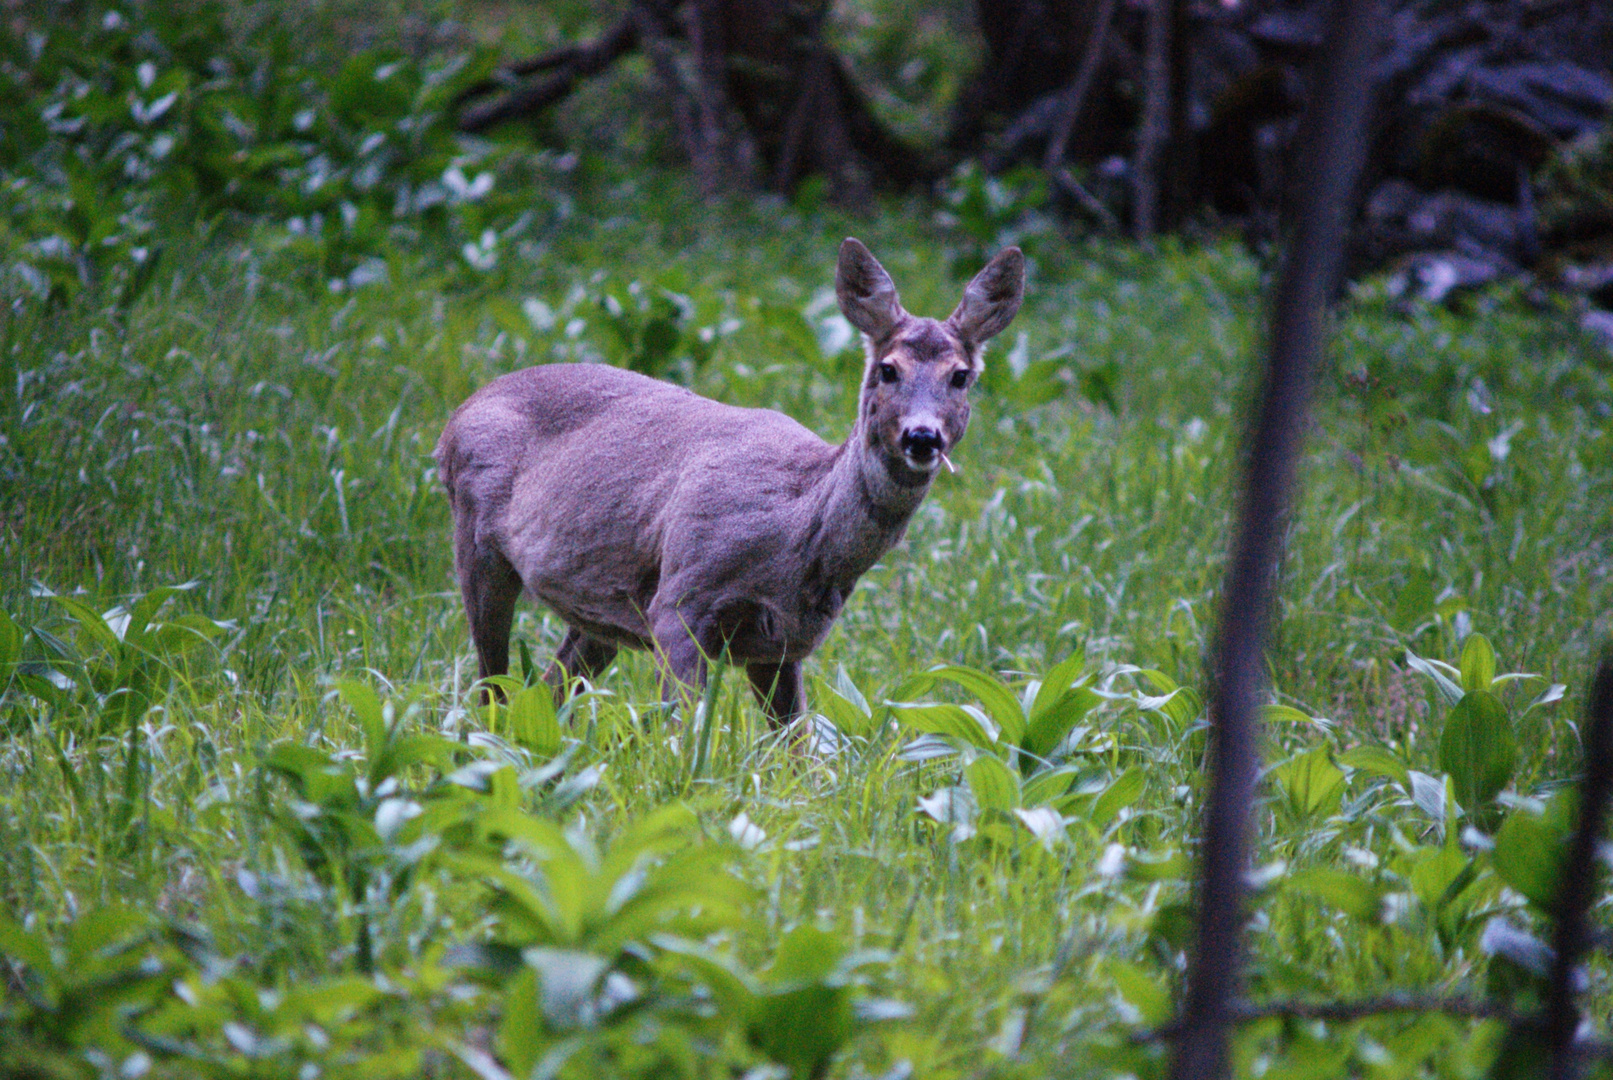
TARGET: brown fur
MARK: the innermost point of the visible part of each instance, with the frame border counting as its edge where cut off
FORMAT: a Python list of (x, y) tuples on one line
[(647, 516)]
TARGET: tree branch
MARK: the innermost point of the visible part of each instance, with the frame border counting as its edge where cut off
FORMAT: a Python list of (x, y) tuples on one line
[(1332, 145), (570, 64)]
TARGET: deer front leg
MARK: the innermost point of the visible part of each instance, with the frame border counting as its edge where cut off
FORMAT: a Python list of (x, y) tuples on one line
[(778, 690), (681, 656)]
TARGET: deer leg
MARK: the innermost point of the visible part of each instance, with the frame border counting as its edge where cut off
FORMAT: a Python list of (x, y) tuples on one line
[(578, 655), (778, 690), (681, 656), (490, 587)]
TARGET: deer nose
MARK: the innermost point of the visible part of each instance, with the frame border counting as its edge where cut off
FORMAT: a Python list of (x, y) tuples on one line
[(922, 443)]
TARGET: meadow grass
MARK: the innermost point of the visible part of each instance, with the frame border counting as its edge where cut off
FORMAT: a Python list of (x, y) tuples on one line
[(269, 440)]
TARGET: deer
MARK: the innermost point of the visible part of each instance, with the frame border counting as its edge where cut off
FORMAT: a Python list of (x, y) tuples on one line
[(648, 517)]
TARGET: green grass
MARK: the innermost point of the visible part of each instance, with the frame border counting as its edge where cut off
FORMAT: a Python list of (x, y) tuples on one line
[(269, 440)]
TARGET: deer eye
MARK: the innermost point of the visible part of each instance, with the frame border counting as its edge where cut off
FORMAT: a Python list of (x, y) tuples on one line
[(888, 373), (960, 379)]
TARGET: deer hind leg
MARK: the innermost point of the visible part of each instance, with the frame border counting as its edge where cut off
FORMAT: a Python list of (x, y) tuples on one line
[(778, 690), (578, 655), (490, 586)]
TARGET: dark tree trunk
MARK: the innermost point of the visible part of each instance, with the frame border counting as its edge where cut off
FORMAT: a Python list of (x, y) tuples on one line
[(761, 90)]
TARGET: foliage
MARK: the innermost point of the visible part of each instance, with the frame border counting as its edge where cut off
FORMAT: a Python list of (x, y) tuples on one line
[(259, 824)]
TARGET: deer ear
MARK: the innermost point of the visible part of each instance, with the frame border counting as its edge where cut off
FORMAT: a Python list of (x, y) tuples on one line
[(992, 299), (866, 293)]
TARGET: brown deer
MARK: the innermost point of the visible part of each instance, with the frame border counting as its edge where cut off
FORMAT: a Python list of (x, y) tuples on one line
[(647, 516)]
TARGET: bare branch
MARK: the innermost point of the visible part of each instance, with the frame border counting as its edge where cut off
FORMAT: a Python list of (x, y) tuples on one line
[(1332, 146), (1561, 1018), (1076, 95), (569, 65)]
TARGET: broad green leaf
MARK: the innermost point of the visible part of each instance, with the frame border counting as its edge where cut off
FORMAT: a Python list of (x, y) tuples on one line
[(520, 1033), (1058, 682), (1530, 848), (733, 988), (845, 705), (1440, 673), (30, 949), (1378, 762), (145, 609), (1431, 872), (1124, 790), (999, 701), (805, 954), (1156, 866), (994, 784), (802, 1028), (99, 931), (1141, 991), (1313, 784), (1356, 897), (367, 709), (804, 1012), (956, 721), (1478, 663), (1284, 714), (327, 1000), (89, 622), (532, 723), (1047, 786), (1478, 749), (1050, 723)]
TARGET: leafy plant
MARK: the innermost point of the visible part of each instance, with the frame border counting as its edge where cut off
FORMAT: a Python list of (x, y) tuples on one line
[(67, 1002), (353, 819)]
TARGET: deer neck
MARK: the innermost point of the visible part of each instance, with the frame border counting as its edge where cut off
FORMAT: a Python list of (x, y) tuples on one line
[(863, 510)]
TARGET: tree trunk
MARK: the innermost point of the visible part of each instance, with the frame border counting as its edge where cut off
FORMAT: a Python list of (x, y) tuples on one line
[(754, 65)]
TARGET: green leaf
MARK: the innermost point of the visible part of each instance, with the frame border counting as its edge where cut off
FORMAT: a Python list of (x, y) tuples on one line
[(1058, 682), (1313, 784), (845, 705), (1141, 991), (1530, 848), (89, 621), (1156, 866), (954, 721), (1359, 899), (1284, 714), (520, 1034), (532, 722), (1126, 789), (367, 709), (1050, 723), (805, 954), (1478, 748), (999, 701), (1047, 786), (10, 648), (1377, 761), (994, 784), (1478, 663), (1432, 872), (1441, 675), (31, 949)]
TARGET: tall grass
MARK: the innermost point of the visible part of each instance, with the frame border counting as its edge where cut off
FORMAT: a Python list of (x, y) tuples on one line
[(269, 441)]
